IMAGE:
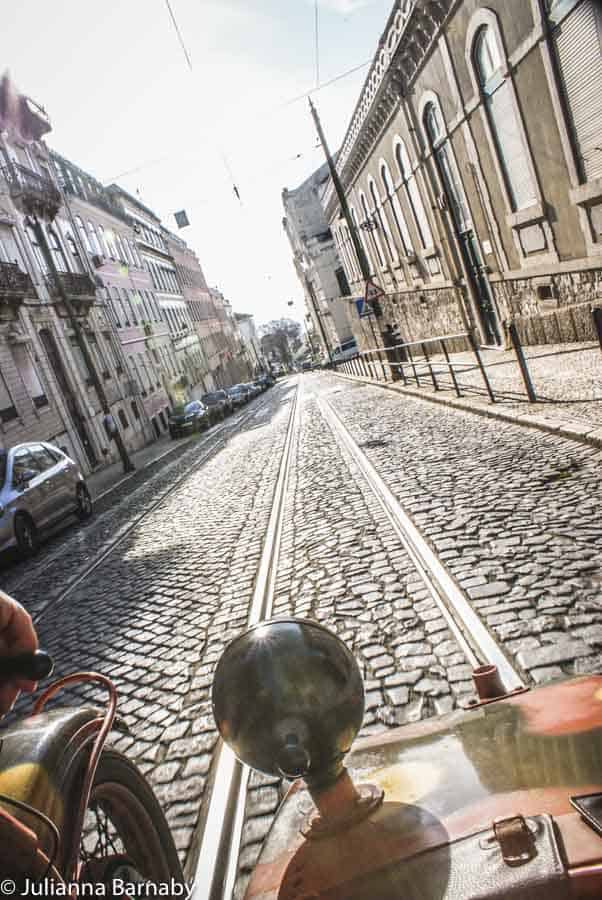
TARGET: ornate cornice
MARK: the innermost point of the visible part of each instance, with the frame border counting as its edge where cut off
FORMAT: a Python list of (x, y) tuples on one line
[(411, 30)]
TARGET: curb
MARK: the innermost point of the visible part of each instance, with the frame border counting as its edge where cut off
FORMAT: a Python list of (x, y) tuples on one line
[(151, 462), (583, 433)]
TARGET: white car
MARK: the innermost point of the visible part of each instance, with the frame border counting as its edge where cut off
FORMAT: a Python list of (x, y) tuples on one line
[(40, 485)]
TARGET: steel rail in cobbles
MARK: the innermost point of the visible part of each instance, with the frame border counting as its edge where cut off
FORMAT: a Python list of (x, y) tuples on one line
[(473, 637), (223, 433), (216, 867)]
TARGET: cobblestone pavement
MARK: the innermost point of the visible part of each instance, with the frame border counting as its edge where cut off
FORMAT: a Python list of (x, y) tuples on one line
[(513, 513), (567, 380), (73, 547), (157, 613), (341, 564)]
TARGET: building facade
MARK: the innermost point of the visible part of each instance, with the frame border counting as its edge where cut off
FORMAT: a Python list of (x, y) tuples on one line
[(59, 364), (250, 340), (473, 169), (317, 261)]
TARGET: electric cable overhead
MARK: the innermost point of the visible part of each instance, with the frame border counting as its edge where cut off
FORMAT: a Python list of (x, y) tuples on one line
[(189, 62), (179, 34)]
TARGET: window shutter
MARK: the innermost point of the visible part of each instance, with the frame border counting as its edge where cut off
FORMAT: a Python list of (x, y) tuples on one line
[(511, 147), (578, 41)]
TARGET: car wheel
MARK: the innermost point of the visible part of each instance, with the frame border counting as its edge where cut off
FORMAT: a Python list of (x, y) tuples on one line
[(84, 503), (26, 535)]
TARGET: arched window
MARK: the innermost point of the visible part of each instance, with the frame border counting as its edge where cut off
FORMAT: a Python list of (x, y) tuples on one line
[(398, 216), (448, 169), (383, 223), (362, 240), (503, 118), (370, 223), (413, 194)]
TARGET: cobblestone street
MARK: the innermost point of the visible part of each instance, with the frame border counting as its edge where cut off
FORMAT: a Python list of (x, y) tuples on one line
[(513, 514)]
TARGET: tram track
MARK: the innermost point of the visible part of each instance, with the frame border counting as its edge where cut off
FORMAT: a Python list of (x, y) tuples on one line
[(215, 867), (476, 642), (212, 445)]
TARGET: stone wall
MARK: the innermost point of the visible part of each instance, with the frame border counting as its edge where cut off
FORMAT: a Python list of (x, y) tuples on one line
[(555, 309), (427, 314)]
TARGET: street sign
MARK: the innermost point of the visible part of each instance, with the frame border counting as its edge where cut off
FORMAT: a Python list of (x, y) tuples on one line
[(374, 294), (363, 309)]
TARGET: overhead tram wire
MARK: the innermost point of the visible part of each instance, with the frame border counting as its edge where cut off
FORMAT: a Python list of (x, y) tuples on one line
[(189, 63), (267, 112)]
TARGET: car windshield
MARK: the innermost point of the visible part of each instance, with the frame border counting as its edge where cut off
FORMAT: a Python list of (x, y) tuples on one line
[(211, 398)]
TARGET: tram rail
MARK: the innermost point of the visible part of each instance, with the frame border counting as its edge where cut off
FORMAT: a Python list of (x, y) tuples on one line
[(215, 867), (215, 442)]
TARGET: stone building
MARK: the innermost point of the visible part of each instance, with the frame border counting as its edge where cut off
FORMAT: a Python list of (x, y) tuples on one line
[(195, 292), (473, 168), (47, 390), (250, 339), (101, 227), (317, 261)]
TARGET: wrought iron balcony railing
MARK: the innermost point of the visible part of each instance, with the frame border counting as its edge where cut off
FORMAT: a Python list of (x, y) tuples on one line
[(75, 284), (15, 285), (14, 282), (35, 194), (79, 288)]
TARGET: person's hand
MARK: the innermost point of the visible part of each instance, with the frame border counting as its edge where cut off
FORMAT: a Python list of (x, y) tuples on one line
[(17, 635)]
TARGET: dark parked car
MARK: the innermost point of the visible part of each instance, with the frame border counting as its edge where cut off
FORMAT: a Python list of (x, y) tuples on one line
[(239, 394), (39, 484), (184, 419), (218, 404)]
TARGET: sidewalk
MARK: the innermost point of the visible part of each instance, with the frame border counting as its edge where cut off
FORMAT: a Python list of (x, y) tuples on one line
[(567, 379), (108, 479)]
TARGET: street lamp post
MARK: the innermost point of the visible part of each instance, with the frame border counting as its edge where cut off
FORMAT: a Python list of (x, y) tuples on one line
[(355, 239), (40, 234)]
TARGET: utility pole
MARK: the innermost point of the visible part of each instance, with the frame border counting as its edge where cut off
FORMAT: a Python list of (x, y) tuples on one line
[(355, 239), (128, 465), (314, 303)]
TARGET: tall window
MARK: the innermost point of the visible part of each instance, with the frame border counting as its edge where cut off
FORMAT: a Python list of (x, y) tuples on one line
[(412, 194), (368, 220), (29, 376), (94, 239), (382, 223), (56, 250), (577, 41), (398, 216), (7, 407), (503, 119), (84, 234), (80, 362), (36, 249), (447, 167)]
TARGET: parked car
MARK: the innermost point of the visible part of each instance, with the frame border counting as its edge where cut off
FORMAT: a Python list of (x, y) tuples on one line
[(39, 486), (239, 395), (218, 404), (253, 389), (189, 417)]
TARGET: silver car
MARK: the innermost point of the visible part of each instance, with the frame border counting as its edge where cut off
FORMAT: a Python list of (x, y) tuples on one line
[(40, 486)]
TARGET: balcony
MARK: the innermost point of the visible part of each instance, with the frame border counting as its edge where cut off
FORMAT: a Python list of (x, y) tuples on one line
[(79, 288), (33, 194), (15, 285)]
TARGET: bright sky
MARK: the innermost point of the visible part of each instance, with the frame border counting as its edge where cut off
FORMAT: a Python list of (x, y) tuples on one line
[(120, 95)]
